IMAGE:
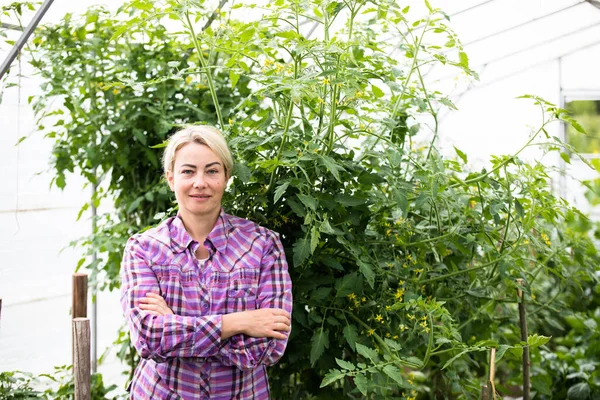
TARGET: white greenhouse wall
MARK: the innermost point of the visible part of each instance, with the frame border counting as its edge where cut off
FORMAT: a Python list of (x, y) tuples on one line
[(38, 223)]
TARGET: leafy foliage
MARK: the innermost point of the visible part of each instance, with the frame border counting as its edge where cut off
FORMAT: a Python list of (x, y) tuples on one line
[(403, 262)]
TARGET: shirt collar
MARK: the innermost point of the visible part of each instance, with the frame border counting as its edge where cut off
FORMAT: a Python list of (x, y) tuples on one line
[(181, 239)]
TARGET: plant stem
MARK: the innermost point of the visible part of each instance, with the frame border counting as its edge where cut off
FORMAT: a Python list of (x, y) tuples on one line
[(211, 84), (524, 335), (503, 163)]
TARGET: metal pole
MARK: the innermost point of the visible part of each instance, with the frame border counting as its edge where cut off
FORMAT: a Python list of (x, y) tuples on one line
[(11, 26), (24, 36), (94, 285)]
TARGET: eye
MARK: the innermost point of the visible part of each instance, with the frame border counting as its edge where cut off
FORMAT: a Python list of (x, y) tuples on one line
[(187, 172), (212, 171)]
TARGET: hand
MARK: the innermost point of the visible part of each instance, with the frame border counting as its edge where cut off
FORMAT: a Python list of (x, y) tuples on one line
[(155, 304), (266, 322)]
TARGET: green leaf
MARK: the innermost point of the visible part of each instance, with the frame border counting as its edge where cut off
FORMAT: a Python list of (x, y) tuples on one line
[(464, 60), (287, 34), (243, 172), (315, 235), (346, 285), (361, 383), (579, 391), (392, 344), (320, 341), (345, 364), (367, 352), (280, 191), (536, 340), (450, 361), (394, 373), (500, 352), (462, 155), (350, 334), (233, 78), (135, 204), (377, 92), (368, 273), (577, 126), (565, 157), (320, 293), (308, 201), (301, 251), (82, 210), (350, 201), (332, 166), (332, 376)]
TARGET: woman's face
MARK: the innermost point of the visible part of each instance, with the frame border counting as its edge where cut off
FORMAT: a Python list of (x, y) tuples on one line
[(198, 180)]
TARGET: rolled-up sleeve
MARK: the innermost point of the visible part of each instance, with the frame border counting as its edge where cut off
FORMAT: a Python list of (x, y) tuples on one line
[(274, 291), (161, 337)]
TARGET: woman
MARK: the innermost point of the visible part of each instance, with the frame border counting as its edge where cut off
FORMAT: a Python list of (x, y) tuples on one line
[(207, 295)]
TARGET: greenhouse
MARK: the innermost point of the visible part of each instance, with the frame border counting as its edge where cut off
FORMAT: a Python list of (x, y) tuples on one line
[(300, 200)]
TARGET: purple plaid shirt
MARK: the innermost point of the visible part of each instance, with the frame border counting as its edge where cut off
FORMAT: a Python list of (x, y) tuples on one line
[(183, 356)]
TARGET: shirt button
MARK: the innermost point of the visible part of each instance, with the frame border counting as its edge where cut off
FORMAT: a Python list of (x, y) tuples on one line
[(205, 305)]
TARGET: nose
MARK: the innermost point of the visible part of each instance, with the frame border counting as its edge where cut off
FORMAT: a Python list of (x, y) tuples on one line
[(199, 181)]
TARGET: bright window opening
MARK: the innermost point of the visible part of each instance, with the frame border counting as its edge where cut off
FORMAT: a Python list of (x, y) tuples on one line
[(587, 113)]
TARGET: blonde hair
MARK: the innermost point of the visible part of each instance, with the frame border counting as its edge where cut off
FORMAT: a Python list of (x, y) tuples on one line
[(201, 134)]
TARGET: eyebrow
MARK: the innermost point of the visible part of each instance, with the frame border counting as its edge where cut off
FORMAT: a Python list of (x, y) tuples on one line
[(206, 166)]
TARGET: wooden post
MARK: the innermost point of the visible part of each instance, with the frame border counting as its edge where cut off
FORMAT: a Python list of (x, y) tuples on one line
[(488, 391), (485, 392), (80, 287), (0, 308), (492, 376), (81, 358), (524, 335)]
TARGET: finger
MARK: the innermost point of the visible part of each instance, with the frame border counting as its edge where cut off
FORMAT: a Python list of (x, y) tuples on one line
[(279, 311), (278, 335)]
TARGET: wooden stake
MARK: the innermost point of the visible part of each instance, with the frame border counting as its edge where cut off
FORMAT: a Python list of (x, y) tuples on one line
[(492, 376), (80, 287), (485, 392), (81, 358), (0, 308), (524, 336)]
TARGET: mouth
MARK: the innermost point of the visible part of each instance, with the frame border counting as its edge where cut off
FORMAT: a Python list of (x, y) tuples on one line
[(200, 196)]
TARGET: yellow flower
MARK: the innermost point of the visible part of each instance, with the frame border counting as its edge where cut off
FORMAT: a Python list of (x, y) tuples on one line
[(364, 299), (388, 308), (188, 79), (379, 318), (116, 91), (321, 101), (399, 293), (351, 296), (370, 332), (411, 317), (387, 335), (402, 328), (395, 337), (325, 81), (390, 265), (230, 121)]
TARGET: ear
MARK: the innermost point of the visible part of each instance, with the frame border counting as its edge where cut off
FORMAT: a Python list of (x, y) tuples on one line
[(169, 175)]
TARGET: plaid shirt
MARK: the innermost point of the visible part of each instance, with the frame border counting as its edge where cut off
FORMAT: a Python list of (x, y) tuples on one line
[(183, 356)]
